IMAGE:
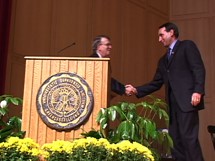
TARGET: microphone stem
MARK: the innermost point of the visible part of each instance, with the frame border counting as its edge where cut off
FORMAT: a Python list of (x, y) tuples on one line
[(66, 47)]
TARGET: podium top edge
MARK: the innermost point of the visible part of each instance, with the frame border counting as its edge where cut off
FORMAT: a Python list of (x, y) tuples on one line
[(65, 58)]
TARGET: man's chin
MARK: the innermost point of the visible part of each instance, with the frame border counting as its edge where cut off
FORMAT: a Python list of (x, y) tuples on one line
[(107, 56)]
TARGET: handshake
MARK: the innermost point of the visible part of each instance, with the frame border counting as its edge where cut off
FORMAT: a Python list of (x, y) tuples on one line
[(130, 90)]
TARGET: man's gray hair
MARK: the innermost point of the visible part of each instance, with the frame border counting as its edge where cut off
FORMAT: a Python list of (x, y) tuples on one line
[(97, 41)]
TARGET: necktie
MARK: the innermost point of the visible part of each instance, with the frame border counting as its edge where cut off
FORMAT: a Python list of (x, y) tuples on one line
[(169, 53)]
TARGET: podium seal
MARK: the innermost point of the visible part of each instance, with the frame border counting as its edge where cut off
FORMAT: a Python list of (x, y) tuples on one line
[(64, 101)]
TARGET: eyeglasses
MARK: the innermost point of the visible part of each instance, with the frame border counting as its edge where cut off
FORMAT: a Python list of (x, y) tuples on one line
[(108, 44)]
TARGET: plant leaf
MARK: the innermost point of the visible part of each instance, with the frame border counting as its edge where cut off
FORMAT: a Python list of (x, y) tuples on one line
[(15, 100), (163, 113), (131, 115), (92, 133), (126, 130), (120, 112), (111, 114), (16, 122), (124, 106), (103, 122), (3, 111)]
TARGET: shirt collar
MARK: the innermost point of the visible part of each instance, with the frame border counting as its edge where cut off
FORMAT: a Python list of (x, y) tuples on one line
[(173, 44), (98, 54)]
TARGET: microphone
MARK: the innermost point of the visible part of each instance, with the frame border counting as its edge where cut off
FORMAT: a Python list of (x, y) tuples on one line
[(66, 47)]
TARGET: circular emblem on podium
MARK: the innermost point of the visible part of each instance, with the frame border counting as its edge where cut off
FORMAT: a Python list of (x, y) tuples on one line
[(64, 101)]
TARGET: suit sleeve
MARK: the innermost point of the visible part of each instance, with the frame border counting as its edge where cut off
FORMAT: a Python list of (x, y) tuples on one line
[(152, 86), (197, 67), (117, 87)]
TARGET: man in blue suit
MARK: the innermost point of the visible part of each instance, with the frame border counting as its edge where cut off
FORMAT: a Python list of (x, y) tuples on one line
[(182, 72)]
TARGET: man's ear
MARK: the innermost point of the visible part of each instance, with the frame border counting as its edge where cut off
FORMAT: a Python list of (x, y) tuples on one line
[(171, 32)]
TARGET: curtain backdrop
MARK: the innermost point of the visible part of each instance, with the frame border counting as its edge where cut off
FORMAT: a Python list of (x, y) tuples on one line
[(5, 14)]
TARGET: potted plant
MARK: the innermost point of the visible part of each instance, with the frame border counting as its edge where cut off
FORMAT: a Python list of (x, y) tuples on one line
[(136, 123)]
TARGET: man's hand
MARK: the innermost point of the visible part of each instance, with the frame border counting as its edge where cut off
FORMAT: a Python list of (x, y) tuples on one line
[(130, 90), (196, 98)]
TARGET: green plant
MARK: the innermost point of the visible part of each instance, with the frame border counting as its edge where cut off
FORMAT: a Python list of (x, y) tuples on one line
[(9, 126), (137, 122), (93, 133), (16, 149), (92, 149)]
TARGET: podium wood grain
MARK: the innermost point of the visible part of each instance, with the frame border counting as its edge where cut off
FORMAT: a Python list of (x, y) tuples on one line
[(38, 69)]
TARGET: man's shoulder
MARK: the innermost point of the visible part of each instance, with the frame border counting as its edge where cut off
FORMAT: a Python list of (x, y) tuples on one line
[(94, 55), (183, 42), (186, 44)]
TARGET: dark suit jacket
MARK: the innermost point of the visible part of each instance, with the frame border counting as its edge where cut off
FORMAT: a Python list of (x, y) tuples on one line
[(116, 86), (184, 73)]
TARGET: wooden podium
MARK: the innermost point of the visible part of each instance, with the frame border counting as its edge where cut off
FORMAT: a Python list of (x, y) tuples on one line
[(95, 71)]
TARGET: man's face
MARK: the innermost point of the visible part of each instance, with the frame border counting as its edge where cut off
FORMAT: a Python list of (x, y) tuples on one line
[(166, 38), (105, 47)]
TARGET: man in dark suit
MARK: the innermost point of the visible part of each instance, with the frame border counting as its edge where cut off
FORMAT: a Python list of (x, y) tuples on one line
[(102, 48), (182, 72)]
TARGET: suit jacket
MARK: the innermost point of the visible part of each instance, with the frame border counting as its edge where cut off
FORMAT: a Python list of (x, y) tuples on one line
[(116, 86), (184, 73)]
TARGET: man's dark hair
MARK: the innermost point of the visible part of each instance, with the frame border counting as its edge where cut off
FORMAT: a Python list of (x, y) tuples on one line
[(171, 26), (97, 41)]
